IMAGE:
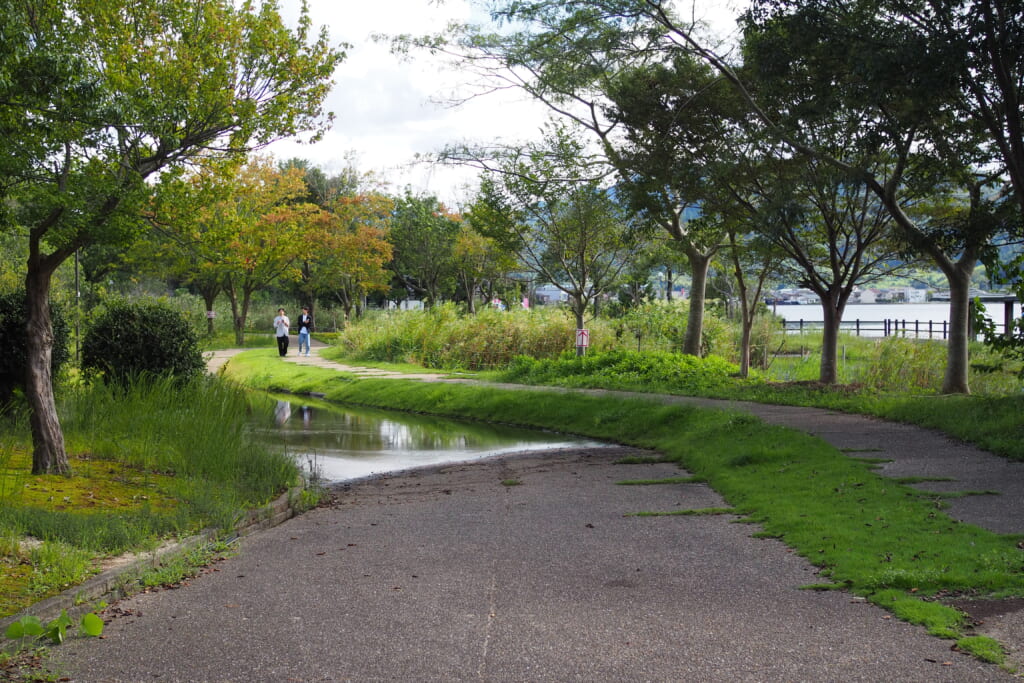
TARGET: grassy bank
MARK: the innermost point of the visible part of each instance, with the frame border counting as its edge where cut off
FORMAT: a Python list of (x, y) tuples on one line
[(866, 534), (159, 460), (994, 422)]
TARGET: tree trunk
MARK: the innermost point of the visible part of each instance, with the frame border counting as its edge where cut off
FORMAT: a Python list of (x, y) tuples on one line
[(470, 287), (239, 310), (699, 264), (237, 321), (747, 328), (828, 372), (48, 453), (209, 298), (956, 377), (579, 309)]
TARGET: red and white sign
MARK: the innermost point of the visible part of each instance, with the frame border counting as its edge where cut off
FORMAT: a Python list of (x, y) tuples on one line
[(582, 337)]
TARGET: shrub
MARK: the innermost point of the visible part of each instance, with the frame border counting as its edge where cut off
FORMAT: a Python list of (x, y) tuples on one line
[(131, 339), (14, 341)]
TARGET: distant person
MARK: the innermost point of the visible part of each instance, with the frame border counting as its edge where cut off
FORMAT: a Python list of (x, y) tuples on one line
[(305, 327), (281, 325)]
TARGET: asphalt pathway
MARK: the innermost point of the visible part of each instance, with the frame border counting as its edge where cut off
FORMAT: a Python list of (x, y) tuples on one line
[(532, 568)]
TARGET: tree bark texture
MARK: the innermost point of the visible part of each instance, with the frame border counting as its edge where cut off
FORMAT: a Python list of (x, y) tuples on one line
[(48, 453), (828, 370), (956, 379), (699, 264)]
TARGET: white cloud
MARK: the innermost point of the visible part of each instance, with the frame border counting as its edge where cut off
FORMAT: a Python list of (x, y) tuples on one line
[(386, 110)]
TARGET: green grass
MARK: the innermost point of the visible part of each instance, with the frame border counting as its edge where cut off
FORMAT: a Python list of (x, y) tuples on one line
[(159, 460), (226, 340), (869, 535), (993, 422), (983, 648), (338, 355)]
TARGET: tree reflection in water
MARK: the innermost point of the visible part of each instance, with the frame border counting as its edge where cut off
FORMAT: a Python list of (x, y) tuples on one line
[(350, 443)]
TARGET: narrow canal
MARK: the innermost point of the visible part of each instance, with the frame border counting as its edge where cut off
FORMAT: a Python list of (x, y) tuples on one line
[(345, 443)]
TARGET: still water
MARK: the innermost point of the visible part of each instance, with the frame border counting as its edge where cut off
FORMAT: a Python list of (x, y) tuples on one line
[(936, 312), (344, 443)]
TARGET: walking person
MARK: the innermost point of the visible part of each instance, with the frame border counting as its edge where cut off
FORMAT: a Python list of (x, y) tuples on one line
[(281, 325), (305, 328)]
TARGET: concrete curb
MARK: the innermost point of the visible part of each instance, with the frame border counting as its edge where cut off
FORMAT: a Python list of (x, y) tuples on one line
[(118, 582)]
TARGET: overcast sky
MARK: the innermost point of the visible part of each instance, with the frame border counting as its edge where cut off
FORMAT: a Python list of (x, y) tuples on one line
[(385, 108)]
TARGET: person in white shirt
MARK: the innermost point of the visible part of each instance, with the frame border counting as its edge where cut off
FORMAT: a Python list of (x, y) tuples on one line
[(281, 325)]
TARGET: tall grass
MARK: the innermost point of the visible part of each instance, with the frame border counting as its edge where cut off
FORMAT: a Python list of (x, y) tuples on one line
[(446, 338), (443, 338), (625, 370), (158, 458), (196, 431)]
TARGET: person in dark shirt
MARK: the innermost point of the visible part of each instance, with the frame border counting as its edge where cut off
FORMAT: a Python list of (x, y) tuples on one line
[(305, 328)]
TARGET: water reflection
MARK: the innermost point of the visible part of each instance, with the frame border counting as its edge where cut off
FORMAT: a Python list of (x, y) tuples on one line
[(349, 443)]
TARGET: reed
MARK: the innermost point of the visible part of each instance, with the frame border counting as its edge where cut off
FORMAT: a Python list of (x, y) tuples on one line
[(156, 459), (196, 432)]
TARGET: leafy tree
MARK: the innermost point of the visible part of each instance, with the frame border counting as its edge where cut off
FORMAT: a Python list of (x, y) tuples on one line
[(931, 84), (423, 234), (350, 252), (570, 57), (480, 263), (754, 261), (681, 129), (176, 247), (903, 111), (835, 234), (96, 97), (253, 234), (542, 203), (322, 189)]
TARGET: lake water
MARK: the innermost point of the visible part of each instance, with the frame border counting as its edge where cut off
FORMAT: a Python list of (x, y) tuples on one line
[(937, 313), (345, 443)]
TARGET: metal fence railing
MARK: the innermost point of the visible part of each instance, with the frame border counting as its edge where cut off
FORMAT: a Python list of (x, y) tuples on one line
[(916, 329)]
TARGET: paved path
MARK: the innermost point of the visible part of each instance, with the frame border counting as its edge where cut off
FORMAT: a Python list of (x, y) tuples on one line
[(453, 574)]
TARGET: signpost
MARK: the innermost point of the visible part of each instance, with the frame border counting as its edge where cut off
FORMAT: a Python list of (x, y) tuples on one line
[(582, 342)]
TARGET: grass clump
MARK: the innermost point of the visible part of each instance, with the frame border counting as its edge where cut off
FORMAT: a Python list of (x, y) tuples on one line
[(982, 647), (197, 433), (940, 620)]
